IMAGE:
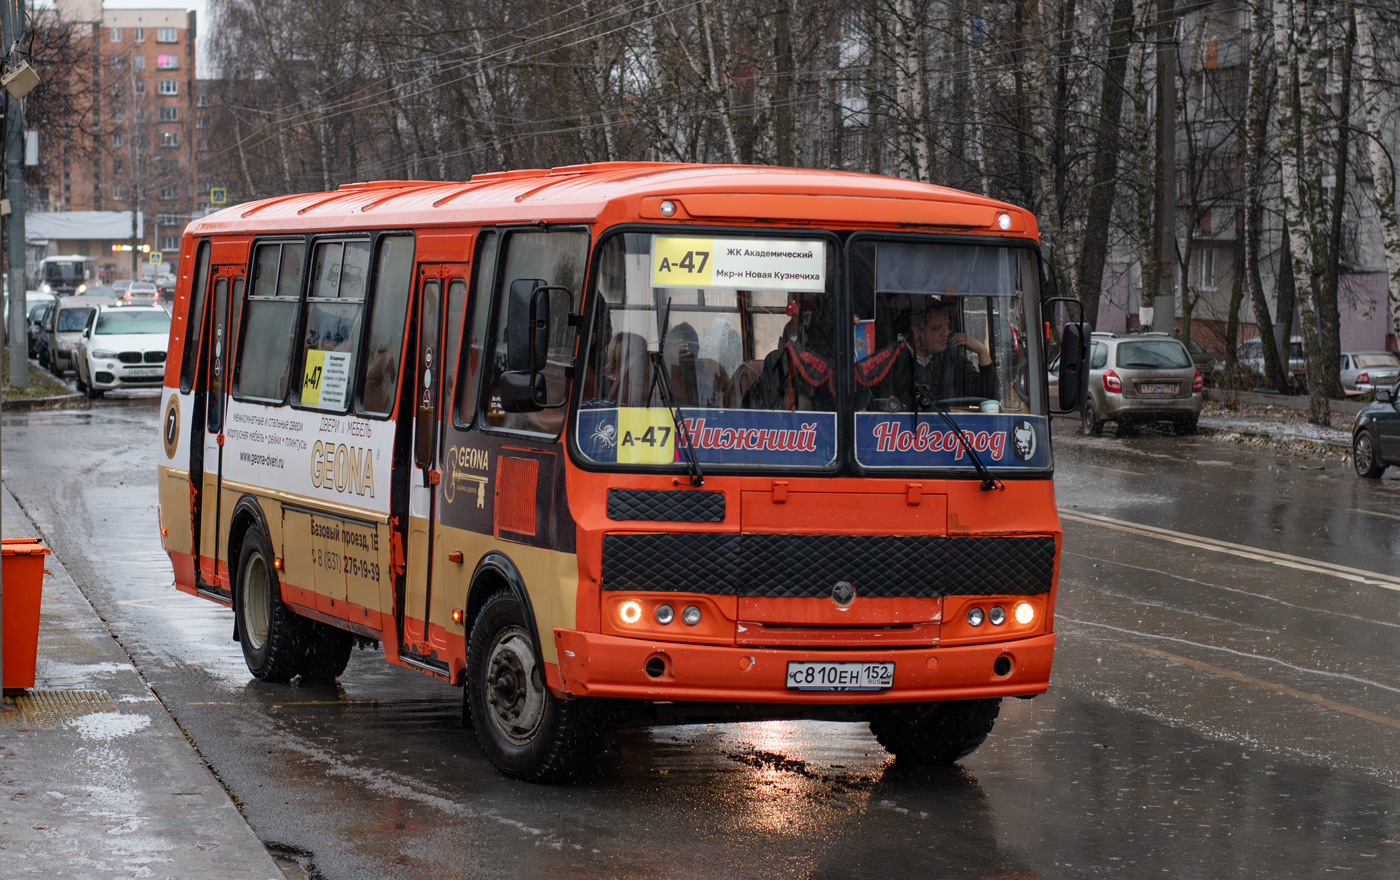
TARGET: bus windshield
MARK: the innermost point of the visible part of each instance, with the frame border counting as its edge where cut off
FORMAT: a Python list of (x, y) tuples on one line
[(749, 333)]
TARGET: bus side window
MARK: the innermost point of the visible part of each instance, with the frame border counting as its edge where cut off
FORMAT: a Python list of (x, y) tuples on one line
[(558, 259), (452, 344), (194, 319), (483, 273), (392, 282), (334, 313), (265, 355)]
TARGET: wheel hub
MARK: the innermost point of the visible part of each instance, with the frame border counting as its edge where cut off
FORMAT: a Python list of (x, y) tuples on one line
[(514, 696)]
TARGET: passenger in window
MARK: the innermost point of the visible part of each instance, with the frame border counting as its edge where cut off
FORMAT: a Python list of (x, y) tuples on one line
[(793, 376), (695, 380), (627, 374)]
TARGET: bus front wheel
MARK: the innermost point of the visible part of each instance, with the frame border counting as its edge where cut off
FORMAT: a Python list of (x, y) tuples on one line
[(934, 733), (526, 731), (273, 638)]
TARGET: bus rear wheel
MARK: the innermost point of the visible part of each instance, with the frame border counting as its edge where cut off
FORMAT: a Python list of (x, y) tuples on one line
[(327, 652), (526, 731), (934, 733), (273, 638)]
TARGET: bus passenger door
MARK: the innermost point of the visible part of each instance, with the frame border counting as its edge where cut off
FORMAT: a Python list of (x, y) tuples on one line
[(420, 642), (227, 287)]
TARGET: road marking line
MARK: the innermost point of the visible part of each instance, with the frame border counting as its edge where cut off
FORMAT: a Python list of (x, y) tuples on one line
[(1356, 575), (1267, 685)]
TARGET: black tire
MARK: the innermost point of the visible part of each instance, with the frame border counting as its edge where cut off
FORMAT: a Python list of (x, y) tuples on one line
[(1363, 456), (1185, 427), (273, 638), (81, 385), (526, 731), (1091, 425), (92, 393), (934, 733), (327, 652)]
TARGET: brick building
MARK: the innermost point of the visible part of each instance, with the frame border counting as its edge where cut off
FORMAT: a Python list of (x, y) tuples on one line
[(143, 128)]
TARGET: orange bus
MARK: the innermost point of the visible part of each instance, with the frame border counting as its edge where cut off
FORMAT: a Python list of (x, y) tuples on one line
[(627, 443)]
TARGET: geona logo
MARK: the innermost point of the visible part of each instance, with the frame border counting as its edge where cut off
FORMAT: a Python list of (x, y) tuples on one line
[(170, 430), (342, 468)]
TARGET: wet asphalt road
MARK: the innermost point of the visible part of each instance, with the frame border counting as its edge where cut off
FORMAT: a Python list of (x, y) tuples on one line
[(1225, 703)]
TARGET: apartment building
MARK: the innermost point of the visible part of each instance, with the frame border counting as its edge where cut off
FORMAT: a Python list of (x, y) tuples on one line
[(142, 129)]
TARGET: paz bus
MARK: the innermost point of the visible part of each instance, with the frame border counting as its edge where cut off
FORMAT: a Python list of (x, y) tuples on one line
[(627, 443)]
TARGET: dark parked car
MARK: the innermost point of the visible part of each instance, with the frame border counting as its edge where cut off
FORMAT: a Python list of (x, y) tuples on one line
[(38, 313), (1375, 441)]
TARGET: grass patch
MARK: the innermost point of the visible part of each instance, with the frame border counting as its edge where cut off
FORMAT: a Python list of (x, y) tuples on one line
[(41, 384)]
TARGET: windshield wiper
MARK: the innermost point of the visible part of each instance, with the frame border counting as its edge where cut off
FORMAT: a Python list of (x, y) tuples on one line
[(923, 395), (662, 380)]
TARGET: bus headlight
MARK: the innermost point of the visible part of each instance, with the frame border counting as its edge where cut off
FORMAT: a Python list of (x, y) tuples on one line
[(1025, 613), (691, 615), (975, 616), (665, 614), (630, 612)]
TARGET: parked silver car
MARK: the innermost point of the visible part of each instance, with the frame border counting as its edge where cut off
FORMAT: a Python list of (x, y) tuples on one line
[(1137, 379), (1250, 353), (1365, 371)]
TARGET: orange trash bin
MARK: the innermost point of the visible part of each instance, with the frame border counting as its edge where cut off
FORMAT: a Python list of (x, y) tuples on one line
[(23, 573)]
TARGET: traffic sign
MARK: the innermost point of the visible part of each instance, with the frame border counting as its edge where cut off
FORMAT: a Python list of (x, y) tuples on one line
[(218, 195), (155, 258)]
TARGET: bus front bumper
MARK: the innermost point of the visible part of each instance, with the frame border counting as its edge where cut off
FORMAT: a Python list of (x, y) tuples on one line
[(593, 665)]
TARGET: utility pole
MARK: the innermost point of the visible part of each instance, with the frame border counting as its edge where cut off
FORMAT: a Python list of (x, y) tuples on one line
[(12, 30), (1159, 292)]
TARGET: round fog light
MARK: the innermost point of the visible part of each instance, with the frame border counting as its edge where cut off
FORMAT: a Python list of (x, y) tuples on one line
[(1025, 613), (668, 208), (691, 615), (630, 612), (665, 614), (974, 616), (997, 615)]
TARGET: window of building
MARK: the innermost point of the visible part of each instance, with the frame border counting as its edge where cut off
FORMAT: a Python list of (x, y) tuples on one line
[(116, 61), (202, 101), (116, 139), (170, 242), (167, 62), (170, 139), (139, 62), (170, 114), (169, 165), (116, 114), (138, 35), (118, 194), (201, 121), (265, 355), (169, 193), (1209, 279), (168, 219), (116, 166), (139, 87), (167, 35), (204, 143), (116, 35), (140, 114), (116, 89), (169, 87)]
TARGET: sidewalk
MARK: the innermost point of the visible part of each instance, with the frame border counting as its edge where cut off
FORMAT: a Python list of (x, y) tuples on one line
[(1279, 419), (96, 779)]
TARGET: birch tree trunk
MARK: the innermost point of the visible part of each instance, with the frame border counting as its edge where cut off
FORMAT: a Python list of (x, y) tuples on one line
[(1377, 102), (1256, 132), (1296, 51)]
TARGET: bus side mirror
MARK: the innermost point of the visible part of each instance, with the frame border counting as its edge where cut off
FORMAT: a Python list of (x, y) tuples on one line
[(1074, 365), (527, 342)]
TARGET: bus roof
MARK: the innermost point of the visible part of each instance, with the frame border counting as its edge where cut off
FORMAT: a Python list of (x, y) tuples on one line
[(611, 192)]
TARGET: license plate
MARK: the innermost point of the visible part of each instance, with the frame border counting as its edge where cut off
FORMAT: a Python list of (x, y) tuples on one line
[(1158, 388), (843, 676), (144, 372)]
